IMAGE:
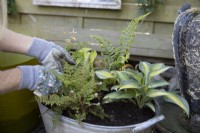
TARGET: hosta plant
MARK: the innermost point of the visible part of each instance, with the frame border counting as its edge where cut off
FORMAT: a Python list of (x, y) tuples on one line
[(141, 86)]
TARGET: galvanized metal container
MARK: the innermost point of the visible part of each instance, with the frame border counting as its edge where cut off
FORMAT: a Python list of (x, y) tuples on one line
[(68, 125)]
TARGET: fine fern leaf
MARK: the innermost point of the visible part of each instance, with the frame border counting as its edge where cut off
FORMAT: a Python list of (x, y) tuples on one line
[(116, 56), (108, 51), (78, 87), (127, 36)]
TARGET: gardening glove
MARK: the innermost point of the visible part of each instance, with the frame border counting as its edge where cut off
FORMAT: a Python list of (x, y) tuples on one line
[(39, 79), (49, 54)]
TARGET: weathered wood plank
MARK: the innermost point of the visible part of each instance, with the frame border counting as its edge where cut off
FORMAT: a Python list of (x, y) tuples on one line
[(137, 59), (138, 51), (163, 28), (194, 3), (153, 53), (145, 45), (170, 2), (111, 4), (129, 11), (149, 41), (51, 21), (109, 24), (78, 22)]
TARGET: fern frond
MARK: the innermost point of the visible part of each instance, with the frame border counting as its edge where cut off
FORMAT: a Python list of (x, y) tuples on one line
[(115, 56), (128, 34)]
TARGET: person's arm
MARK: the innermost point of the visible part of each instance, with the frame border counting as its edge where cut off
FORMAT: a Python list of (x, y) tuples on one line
[(15, 42), (35, 78), (9, 80), (48, 53), (32, 77)]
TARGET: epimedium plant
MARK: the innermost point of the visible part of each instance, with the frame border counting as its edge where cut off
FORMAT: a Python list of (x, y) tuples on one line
[(140, 86)]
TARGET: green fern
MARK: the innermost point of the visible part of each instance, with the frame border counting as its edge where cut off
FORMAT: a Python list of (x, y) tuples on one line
[(109, 53), (116, 56), (79, 88), (128, 34)]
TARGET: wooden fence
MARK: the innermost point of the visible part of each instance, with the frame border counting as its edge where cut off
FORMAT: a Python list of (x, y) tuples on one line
[(153, 37)]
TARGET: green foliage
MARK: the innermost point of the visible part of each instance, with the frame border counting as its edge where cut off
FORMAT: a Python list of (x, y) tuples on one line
[(79, 88), (140, 86), (147, 6), (115, 56), (80, 92), (12, 10)]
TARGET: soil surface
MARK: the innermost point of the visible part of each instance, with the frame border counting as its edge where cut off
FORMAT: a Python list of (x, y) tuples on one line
[(121, 114)]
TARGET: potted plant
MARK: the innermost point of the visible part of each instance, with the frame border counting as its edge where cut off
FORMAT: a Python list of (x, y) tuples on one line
[(82, 103)]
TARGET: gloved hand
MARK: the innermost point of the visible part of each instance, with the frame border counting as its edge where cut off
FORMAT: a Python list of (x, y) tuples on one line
[(49, 54), (39, 79)]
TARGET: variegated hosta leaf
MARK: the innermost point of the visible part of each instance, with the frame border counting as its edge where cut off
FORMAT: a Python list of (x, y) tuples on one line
[(119, 95), (155, 71), (104, 74), (130, 84), (145, 68), (180, 101), (134, 74), (157, 66), (151, 106), (137, 94), (122, 76), (116, 87), (157, 83)]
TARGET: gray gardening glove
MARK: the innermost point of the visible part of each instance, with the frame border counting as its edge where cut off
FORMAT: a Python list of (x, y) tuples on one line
[(49, 54), (39, 79)]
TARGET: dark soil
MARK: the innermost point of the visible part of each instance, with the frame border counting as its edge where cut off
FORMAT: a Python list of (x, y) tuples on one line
[(121, 114)]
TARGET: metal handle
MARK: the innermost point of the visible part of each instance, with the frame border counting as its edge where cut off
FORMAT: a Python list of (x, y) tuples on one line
[(148, 123)]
